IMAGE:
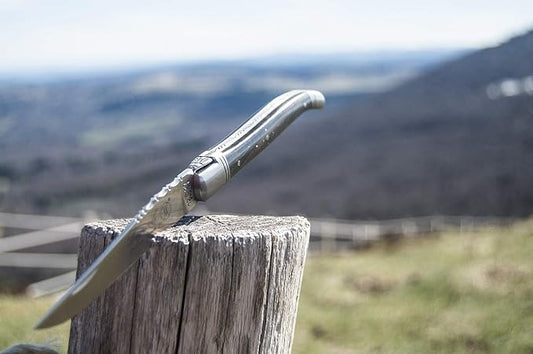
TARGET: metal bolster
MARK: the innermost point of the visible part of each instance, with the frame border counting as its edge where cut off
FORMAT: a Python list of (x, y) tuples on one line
[(221, 159), (211, 172)]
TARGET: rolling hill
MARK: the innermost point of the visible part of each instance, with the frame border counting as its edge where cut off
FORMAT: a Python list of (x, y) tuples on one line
[(108, 142), (456, 140)]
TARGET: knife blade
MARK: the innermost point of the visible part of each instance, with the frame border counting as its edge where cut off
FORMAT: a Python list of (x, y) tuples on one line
[(206, 174)]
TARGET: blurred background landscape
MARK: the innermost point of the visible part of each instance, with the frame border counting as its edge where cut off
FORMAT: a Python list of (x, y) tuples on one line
[(429, 113), (107, 143), (403, 134)]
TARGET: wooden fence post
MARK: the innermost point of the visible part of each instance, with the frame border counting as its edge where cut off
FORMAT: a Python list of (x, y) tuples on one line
[(212, 284)]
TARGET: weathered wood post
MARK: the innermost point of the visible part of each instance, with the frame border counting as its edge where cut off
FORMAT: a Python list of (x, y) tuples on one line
[(212, 284)]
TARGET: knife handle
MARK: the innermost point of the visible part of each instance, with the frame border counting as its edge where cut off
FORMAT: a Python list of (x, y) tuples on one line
[(216, 166)]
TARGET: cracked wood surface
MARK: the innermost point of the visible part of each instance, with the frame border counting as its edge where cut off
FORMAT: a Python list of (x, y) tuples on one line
[(211, 284)]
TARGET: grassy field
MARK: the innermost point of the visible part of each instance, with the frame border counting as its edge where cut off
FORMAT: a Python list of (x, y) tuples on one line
[(455, 293), (18, 315)]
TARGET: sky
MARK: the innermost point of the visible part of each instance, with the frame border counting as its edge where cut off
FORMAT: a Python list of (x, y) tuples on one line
[(84, 34)]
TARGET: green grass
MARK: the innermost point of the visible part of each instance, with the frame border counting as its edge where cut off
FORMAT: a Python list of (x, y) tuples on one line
[(19, 314), (456, 293)]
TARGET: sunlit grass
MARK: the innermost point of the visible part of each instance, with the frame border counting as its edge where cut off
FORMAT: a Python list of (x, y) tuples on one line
[(455, 293), (19, 314)]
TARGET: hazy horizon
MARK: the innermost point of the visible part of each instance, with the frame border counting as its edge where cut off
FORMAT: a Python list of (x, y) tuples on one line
[(354, 58), (56, 36)]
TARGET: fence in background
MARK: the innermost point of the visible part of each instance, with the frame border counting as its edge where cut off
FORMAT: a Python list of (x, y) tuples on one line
[(327, 235), (334, 235)]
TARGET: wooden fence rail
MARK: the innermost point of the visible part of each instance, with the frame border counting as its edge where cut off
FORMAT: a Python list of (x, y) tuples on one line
[(34, 222), (51, 285), (327, 235), (42, 237), (38, 260), (333, 234)]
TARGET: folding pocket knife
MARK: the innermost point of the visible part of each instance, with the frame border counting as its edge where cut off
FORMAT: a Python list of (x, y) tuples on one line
[(204, 176)]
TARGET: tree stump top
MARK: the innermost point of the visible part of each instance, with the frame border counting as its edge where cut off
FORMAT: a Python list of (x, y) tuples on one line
[(203, 226)]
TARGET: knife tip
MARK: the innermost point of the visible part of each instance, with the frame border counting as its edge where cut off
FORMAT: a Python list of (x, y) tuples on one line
[(41, 324), (48, 321), (52, 317)]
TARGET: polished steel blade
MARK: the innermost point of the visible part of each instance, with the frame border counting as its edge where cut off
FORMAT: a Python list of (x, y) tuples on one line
[(164, 209)]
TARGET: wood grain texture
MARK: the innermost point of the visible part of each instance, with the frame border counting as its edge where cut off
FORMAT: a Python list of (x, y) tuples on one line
[(212, 284), (83, 335)]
